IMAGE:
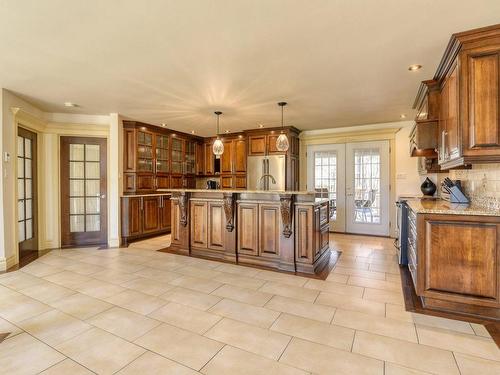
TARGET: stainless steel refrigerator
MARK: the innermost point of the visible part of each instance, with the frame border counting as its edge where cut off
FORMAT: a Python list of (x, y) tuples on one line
[(259, 166)]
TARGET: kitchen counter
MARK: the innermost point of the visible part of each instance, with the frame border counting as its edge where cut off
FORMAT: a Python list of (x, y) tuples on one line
[(293, 192), (440, 206)]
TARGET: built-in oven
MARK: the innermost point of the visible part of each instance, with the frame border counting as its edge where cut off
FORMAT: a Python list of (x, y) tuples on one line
[(401, 241)]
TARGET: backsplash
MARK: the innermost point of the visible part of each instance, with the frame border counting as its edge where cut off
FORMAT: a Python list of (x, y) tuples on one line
[(481, 184)]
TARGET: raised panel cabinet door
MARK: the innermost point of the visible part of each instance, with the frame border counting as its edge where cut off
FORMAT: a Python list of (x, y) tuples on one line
[(226, 159), (240, 182), (269, 230), (209, 159), (443, 118), (166, 212), (145, 182), (130, 150), (151, 214), (452, 125), (248, 228), (216, 226), (129, 180), (303, 240), (240, 156), (466, 266), (271, 144), (226, 182), (176, 181), (131, 210), (257, 145), (200, 158), (483, 101), (175, 218), (199, 224)]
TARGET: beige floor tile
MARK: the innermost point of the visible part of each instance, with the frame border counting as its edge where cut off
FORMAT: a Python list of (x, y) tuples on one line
[(161, 275), (312, 330), (373, 283), (100, 351), (124, 323), (81, 306), (250, 296), (137, 302), (182, 346), (470, 365), (19, 280), (301, 308), (457, 342), (195, 283), (331, 287), (148, 286), (285, 290), (322, 359), (348, 263), (438, 322), (241, 281), (67, 367), (19, 307), (186, 317), (243, 312), (191, 298), (357, 272), (99, 289), (394, 369), (114, 277), (480, 330), (54, 327), (232, 361), (257, 340), (383, 296), (376, 324), (67, 279), (55, 260), (202, 273), (351, 303), (153, 364), (404, 353), (84, 268), (388, 268), (23, 354), (39, 269), (337, 278), (8, 327), (281, 278), (47, 292), (238, 270), (398, 312)]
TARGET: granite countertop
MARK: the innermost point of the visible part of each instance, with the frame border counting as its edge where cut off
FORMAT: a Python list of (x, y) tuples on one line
[(440, 206), (145, 195), (294, 192)]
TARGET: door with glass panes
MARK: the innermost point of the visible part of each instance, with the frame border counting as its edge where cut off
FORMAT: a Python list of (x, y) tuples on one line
[(83, 191), (26, 191)]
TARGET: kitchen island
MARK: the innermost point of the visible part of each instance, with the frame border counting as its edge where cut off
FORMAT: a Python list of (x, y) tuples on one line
[(286, 230)]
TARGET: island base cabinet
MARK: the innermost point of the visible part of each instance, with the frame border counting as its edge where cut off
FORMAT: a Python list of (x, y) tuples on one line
[(144, 217), (458, 263)]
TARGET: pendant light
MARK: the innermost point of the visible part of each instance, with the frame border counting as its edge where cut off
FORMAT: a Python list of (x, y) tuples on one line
[(282, 141), (218, 147)]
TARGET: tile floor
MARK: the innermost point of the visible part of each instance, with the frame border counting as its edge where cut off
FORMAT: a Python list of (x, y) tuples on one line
[(138, 311)]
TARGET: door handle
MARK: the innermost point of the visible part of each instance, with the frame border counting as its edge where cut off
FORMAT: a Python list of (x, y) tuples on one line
[(103, 196)]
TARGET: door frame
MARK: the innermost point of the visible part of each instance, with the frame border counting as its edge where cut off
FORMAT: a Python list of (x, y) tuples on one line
[(339, 225), (383, 228), (68, 239)]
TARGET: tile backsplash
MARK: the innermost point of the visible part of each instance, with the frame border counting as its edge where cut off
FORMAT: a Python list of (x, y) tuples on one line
[(481, 184)]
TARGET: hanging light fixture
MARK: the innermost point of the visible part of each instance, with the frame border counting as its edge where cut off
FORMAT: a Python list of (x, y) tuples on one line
[(282, 141), (218, 147)]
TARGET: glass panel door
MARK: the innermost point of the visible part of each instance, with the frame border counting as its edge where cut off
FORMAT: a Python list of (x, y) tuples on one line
[(83, 189), (177, 157), (162, 154), (26, 190)]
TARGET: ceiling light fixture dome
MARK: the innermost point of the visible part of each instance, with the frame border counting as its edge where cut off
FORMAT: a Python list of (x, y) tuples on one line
[(282, 141), (218, 146)]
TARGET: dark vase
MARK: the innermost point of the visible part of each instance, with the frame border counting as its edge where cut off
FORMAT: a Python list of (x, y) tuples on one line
[(428, 187)]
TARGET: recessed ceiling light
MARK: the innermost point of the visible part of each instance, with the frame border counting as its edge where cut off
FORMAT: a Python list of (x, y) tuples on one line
[(69, 104), (227, 131), (192, 131), (163, 125), (261, 126), (414, 67), (402, 115)]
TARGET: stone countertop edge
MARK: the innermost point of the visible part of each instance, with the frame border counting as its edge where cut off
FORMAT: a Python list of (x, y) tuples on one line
[(281, 192), (444, 207)]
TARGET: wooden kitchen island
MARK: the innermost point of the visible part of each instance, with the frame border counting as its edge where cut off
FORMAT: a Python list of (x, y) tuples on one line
[(282, 230)]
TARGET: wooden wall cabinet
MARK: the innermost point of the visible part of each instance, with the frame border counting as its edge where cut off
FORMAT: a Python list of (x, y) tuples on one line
[(233, 163), (144, 216)]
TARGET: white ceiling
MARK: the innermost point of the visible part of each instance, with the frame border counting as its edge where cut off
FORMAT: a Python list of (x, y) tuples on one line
[(337, 63)]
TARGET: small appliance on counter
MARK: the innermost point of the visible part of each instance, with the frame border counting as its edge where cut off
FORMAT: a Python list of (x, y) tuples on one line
[(212, 185), (452, 191)]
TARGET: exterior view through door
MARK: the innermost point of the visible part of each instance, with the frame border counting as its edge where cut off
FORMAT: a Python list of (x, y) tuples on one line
[(355, 176), (83, 191)]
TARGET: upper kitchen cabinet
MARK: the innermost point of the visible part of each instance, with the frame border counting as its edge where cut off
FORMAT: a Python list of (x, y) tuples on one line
[(233, 162), (469, 95), (263, 141)]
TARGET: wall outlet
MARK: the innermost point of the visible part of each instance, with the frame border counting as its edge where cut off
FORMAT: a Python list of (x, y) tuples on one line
[(6, 157)]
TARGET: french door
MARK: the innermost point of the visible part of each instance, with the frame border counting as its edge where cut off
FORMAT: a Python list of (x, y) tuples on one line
[(26, 191), (83, 191), (355, 176)]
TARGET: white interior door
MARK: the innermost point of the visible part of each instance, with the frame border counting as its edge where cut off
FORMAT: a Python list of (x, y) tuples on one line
[(326, 176), (367, 188)]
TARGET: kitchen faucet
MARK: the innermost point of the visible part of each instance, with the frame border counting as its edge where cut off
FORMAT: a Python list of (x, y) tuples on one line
[(262, 179)]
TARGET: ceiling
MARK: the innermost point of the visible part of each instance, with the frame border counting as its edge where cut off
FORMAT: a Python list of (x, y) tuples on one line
[(337, 63)]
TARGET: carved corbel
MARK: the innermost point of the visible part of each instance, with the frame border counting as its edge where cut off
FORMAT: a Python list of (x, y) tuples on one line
[(182, 199), (286, 213), (229, 211)]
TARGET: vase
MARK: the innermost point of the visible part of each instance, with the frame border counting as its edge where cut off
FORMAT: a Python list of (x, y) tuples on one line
[(428, 187)]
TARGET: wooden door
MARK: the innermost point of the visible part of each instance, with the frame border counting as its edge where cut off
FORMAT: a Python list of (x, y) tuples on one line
[(226, 163), (27, 233), (248, 229), (176, 181), (304, 242), (452, 124), (226, 182), (200, 158), (151, 214), (240, 182), (209, 159), (257, 145), (83, 191), (199, 224), (240, 156)]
